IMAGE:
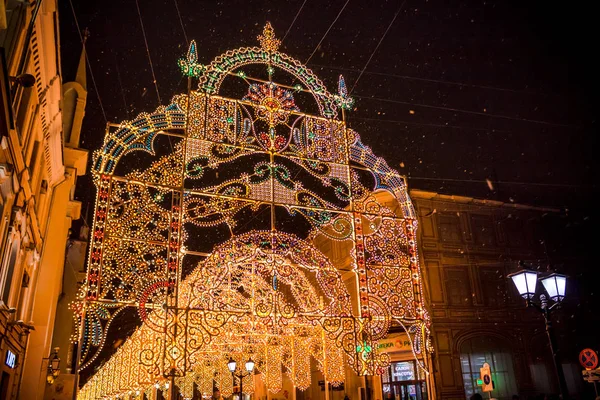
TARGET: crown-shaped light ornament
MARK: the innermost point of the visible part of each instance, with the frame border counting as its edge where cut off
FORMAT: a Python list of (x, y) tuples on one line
[(267, 39)]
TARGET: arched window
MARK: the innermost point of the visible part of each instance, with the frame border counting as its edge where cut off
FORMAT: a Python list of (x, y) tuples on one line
[(481, 349)]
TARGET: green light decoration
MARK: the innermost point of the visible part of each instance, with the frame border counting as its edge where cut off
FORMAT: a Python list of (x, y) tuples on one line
[(189, 65), (479, 382), (364, 348)]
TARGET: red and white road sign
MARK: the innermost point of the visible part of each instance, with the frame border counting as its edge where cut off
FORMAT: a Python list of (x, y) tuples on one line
[(588, 359)]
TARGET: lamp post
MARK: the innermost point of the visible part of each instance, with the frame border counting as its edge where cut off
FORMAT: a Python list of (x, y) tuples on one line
[(53, 366), (232, 365), (555, 284)]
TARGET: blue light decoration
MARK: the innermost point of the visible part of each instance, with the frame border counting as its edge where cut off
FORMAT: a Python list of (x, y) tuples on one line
[(342, 99)]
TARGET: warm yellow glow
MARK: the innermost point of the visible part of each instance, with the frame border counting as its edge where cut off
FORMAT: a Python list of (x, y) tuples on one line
[(264, 294)]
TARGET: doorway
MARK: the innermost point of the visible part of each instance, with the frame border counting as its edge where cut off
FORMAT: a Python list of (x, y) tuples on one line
[(404, 380), (4, 385)]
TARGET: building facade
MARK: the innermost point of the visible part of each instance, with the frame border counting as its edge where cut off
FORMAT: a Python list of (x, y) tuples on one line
[(39, 163), (468, 247)]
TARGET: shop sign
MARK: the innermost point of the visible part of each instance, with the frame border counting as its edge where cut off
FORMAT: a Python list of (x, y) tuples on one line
[(394, 344), (11, 359)]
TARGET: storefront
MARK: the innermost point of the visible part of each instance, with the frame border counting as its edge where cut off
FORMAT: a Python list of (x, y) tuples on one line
[(404, 379), (8, 369)]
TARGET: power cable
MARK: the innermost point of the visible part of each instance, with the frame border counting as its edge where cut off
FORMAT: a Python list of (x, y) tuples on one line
[(293, 22), (468, 112), (421, 178), (431, 80), (328, 29), (393, 121), (121, 86), (377, 47), (89, 65), (148, 51), (181, 22)]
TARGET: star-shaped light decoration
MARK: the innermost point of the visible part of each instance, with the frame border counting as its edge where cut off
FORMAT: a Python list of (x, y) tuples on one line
[(267, 40), (342, 99), (189, 65)]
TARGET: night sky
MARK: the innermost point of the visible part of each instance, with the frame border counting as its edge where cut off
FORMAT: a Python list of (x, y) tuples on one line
[(457, 92)]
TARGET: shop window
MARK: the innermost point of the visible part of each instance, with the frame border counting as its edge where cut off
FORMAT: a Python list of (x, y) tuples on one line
[(404, 380), (476, 351)]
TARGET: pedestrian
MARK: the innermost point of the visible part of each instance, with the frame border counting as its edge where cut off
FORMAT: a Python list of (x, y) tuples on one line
[(476, 396), (217, 394), (515, 397)]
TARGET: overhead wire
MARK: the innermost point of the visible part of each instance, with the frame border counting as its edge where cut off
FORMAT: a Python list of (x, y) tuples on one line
[(445, 82), (326, 32), (458, 110), (378, 44), (148, 52), (151, 65), (394, 121), (181, 22), (121, 86), (87, 60), (293, 22), (566, 185)]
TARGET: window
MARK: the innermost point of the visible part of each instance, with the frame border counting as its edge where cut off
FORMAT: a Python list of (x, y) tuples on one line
[(22, 111), (483, 230), (6, 282), (514, 232), (449, 225), (493, 285), (458, 287), (481, 349)]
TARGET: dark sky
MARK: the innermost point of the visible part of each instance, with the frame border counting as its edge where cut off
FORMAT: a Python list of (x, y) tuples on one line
[(457, 92)]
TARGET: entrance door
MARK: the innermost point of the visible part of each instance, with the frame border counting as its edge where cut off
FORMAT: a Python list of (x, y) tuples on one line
[(4, 385), (404, 381)]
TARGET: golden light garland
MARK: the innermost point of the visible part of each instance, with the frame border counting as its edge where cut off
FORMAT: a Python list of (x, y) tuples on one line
[(268, 292)]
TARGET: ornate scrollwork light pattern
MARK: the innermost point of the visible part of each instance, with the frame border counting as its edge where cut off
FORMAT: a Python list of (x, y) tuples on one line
[(269, 206)]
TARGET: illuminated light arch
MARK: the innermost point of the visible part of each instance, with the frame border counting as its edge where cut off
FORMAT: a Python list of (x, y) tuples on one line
[(301, 168), (224, 64), (139, 135)]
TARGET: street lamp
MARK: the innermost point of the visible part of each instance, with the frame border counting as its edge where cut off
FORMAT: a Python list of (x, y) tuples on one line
[(232, 365), (555, 284), (53, 366)]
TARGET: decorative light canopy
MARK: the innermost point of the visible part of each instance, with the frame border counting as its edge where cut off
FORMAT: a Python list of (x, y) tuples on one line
[(225, 239), (556, 285)]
